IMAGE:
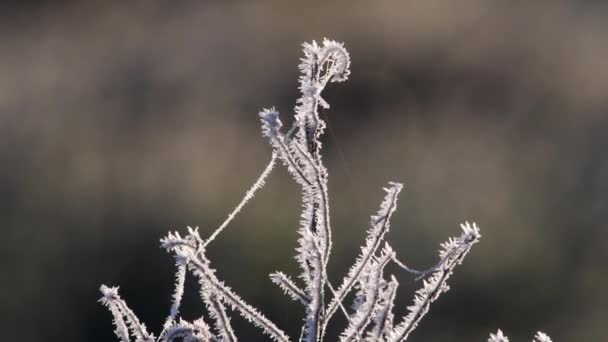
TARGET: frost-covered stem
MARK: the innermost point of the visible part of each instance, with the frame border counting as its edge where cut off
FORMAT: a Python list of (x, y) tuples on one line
[(320, 235), (180, 277), (259, 183), (285, 283), (420, 309), (424, 273), (370, 289), (122, 313), (237, 303), (204, 330), (271, 125), (541, 337), (138, 330), (316, 293), (355, 329), (121, 327), (320, 182), (218, 312), (411, 270), (198, 331), (303, 158), (312, 84), (334, 293), (454, 251), (316, 288), (198, 263), (379, 226), (384, 318)]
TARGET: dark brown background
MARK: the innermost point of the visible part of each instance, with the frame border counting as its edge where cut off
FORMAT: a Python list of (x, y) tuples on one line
[(119, 122)]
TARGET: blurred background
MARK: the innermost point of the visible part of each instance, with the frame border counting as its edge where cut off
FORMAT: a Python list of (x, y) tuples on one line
[(121, 120)]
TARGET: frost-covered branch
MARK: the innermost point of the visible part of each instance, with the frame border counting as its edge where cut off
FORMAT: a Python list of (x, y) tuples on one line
[(379, 226), (180, 280), (124, 319), (383, 320), (218, 312), (302, 156), (289, 287), (452, 253), (258, 184), (368, 295), (191, 250), (189, 332)]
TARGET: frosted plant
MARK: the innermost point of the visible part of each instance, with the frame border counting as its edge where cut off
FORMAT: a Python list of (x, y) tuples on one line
[(370, 318), (499, 337)]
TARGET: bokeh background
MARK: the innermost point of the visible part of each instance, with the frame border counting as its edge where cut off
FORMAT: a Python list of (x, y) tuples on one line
[(121, 120)]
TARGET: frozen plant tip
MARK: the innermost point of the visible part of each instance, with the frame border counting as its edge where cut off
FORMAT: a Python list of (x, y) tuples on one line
[(499, 337), (370, 317)]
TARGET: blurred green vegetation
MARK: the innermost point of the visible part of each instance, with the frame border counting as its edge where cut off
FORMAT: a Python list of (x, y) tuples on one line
[(121, 121)]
